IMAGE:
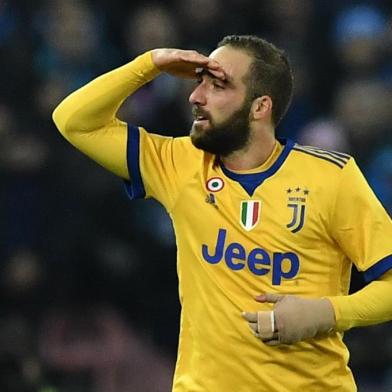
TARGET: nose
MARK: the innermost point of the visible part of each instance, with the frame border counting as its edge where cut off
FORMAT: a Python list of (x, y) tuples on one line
[(198, 96)]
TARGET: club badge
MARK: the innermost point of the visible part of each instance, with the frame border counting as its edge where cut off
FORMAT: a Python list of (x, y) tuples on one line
[(297, 198)]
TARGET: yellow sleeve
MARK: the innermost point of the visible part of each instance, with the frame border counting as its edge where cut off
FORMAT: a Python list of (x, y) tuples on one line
[(87, 117), (361, 226), (371, 305), (160, 166)]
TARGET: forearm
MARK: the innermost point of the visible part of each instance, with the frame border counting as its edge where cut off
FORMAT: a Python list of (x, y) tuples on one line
[(95, 105), (87, 118), (368, 306)]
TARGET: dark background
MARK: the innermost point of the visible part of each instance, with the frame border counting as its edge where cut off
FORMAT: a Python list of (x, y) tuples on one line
[(87, 279)]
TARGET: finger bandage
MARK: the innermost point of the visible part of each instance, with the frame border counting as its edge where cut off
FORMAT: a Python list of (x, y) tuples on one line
[(266, 324)]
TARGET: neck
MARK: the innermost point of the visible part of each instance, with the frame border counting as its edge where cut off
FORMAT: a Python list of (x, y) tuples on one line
[(254, 154)]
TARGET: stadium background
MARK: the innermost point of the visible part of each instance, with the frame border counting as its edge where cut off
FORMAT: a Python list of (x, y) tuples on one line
[(87, 279)]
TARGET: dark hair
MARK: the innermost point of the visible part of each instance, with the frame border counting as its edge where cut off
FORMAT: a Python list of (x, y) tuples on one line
[(269, 73)]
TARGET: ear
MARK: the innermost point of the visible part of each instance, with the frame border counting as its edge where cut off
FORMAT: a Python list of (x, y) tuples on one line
[(261, 107)]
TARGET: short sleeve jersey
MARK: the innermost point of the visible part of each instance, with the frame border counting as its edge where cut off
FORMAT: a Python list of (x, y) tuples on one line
[(295, 228)]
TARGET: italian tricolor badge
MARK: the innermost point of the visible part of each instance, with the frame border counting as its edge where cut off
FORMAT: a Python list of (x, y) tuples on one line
[(250, 213)]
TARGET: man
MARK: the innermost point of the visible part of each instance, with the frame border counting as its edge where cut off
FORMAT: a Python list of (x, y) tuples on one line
[(267, 230)]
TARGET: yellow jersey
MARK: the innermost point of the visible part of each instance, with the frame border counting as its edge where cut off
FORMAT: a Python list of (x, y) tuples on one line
[(295, 226)]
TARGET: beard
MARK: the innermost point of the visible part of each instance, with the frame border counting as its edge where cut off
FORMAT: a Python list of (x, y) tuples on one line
[(223, 138)]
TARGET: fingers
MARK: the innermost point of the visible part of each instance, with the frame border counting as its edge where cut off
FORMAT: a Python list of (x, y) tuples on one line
[(192, 56), (253, 327), (266, 324), (255, 332), (274, 342), (211, 65), (262, 324), (198, 58), (183, 63), (251, 317), (216, 69), (220, 74), (269, 297)]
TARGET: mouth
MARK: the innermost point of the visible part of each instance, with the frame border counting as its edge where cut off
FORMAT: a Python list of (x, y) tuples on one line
[(199, 116), (200, 119)]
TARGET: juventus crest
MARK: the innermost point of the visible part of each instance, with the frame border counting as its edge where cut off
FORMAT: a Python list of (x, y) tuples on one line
[(297, 203)]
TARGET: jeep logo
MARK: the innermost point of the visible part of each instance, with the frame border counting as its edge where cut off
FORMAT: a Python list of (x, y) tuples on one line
[(258, 261)]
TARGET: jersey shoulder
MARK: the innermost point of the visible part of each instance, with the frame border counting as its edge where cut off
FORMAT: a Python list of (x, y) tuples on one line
[(191, 157), (174, 158), (321, 157), (170, 148)]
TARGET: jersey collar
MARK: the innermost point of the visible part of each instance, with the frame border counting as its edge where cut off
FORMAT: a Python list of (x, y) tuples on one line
[(251, 181)]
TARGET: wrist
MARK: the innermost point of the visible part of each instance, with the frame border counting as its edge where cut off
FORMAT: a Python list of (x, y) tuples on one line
[(328, 315), (143, 68)]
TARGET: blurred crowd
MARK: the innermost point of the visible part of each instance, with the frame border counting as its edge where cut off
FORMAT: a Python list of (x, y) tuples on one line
[(88, 280)]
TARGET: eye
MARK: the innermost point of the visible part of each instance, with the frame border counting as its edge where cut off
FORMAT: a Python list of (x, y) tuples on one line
[(218, 85)]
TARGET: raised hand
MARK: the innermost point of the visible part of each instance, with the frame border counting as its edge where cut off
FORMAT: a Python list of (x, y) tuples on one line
[(183, 63)]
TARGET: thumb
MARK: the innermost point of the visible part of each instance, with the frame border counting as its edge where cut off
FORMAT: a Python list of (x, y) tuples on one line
[(269, 297)]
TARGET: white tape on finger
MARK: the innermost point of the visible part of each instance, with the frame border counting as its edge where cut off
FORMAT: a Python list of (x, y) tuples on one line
[(265, 324)]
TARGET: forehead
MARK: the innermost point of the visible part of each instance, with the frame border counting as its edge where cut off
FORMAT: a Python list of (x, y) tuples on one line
[(235, 62)]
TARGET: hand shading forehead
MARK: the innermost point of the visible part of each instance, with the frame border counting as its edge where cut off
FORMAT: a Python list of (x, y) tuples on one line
[(200, 72), (235, 62)]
